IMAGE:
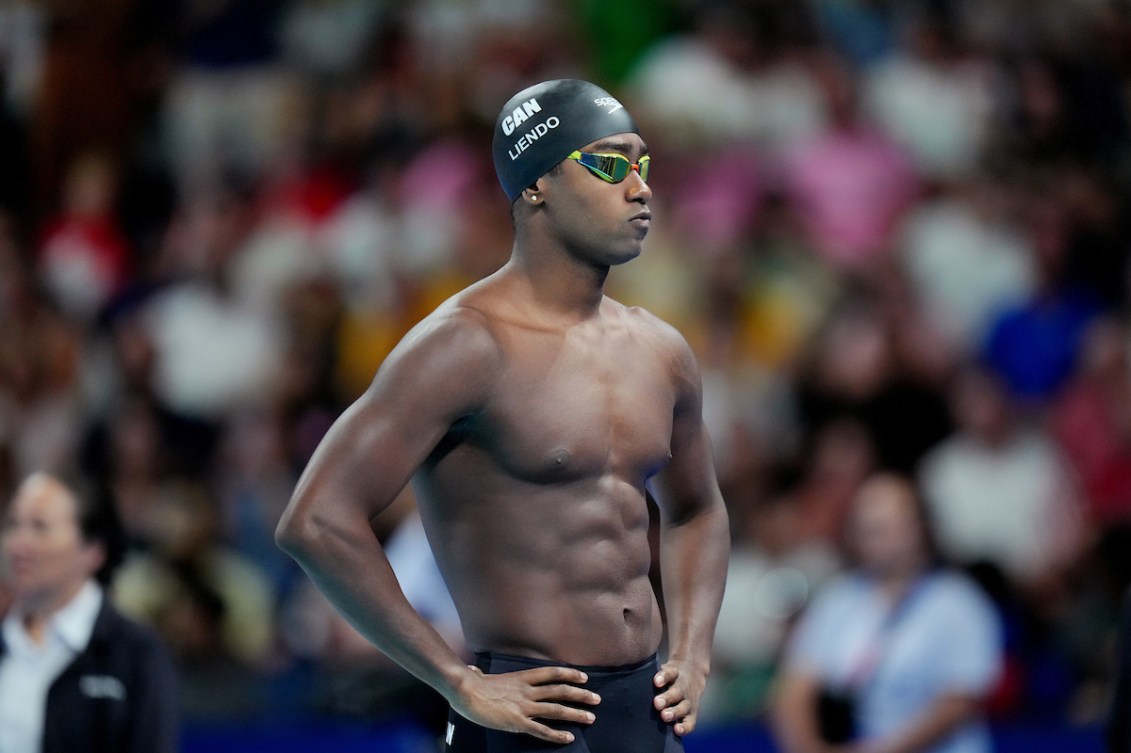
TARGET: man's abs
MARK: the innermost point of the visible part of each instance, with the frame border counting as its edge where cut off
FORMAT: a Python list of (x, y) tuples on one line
[(560, 572)]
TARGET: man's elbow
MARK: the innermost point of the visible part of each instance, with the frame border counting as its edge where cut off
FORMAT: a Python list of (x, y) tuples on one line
[(294, 532)]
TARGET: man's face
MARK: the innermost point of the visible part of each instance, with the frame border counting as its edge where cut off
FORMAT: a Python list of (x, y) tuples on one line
[(604, 222), (46, 558)]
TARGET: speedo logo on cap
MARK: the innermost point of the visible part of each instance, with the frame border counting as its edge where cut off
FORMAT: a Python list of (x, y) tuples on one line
[(608, 102)]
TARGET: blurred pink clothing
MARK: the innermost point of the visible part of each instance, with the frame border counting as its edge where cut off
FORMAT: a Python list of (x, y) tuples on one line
[(850, 189), (1090, 421)]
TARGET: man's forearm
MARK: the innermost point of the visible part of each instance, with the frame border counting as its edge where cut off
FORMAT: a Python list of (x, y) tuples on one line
[(694, 555), (348, 565)]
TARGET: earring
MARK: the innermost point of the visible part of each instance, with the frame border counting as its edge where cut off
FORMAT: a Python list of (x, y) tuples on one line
[(533, 197)]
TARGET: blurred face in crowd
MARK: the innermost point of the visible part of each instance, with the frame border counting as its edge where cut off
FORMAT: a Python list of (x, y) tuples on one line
[(981, 407), (46, 558), (886, 528)]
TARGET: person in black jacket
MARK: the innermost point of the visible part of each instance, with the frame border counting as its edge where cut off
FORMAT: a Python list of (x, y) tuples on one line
[(75, 674)]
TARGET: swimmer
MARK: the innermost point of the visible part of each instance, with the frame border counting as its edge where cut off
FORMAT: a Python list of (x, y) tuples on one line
[(536, 418)]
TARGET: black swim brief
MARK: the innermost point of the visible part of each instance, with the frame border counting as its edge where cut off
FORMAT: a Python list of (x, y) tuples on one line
[(627, 722)]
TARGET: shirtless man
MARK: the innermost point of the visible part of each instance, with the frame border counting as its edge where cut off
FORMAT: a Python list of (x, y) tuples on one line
[(534, 415)]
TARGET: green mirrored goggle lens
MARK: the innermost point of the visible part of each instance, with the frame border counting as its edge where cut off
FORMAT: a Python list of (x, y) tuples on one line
[(612, 167)]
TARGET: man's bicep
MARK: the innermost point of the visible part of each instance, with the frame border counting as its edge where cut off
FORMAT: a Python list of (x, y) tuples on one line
[(688, 484), (366, 458)]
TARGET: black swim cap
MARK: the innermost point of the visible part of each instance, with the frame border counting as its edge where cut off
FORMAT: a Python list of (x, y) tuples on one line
[(542, 124)]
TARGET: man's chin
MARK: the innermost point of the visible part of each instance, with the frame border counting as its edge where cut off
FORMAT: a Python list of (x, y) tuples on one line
[(627, 256)]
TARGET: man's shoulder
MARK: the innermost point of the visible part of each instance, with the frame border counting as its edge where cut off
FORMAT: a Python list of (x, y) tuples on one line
[(644, 322), (455, 326), (666, 341)]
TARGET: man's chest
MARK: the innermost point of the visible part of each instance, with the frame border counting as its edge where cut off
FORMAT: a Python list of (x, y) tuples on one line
[(581, 410)]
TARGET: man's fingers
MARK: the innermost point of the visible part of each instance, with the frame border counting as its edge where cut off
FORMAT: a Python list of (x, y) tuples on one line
[(568, 693), (548, 675), (666, 676), (549, 734), (672, 697), (558, 712), (675, 711)]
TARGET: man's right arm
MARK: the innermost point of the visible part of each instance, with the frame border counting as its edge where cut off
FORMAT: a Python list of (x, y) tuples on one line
[(439, 373), (360, 467)]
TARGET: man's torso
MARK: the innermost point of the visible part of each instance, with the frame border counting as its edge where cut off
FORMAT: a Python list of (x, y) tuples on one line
[(536, 504)]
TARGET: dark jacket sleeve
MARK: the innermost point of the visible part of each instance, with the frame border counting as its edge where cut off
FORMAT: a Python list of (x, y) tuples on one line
[(155, 724)]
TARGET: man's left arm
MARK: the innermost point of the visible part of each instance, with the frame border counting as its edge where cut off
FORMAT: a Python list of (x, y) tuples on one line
[(694, 551)]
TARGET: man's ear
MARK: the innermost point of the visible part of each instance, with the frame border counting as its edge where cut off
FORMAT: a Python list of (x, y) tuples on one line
[(532, 194)]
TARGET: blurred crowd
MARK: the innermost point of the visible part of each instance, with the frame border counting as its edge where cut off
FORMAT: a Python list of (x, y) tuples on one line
[(896, 233)]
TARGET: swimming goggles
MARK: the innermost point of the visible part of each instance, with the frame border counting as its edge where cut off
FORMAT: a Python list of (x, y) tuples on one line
[(611, 167)]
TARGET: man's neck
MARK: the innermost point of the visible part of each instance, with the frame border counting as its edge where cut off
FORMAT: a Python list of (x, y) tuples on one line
[(560, 285)]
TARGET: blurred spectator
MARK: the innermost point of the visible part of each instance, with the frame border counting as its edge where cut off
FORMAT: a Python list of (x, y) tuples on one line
[(226, 105), (849, 182), (74, 673), (966, 259), (469, 56), (129, 455), (1098, 220), (328, 40), (84, 256), (787, 290), (214, 606), (1033, 345), (773, 573), (839, 457), (739, 79), (257, 481), (1091, 420), (1001, 491), (858, 370), (40, 353), (931, 96), (213, 351), (1062, 106), (99, 64), (909, 650), (134, 442)]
